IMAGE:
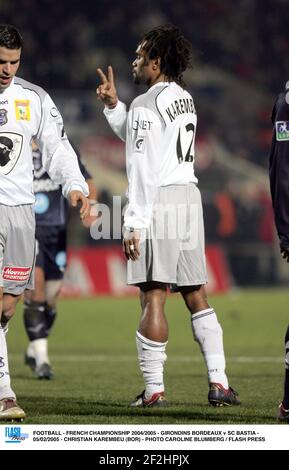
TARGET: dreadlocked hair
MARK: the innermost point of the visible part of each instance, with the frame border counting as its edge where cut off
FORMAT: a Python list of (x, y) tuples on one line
[(174, 51)]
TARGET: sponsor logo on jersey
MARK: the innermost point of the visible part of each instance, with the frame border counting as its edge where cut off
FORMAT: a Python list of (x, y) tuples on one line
[(141, 124), (10, 150), (22, 110), (140, 144), (13, 273), (282, 130), (3, 117)]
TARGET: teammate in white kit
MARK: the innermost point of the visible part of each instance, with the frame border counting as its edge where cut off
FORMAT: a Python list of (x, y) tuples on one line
[(40, 305), (163, 221), (26, 112)]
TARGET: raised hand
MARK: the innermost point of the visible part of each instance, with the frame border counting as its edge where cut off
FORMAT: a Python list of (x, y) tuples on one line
[(106, 91)]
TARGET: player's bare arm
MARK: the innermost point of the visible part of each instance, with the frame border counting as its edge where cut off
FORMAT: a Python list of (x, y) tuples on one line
[(78, 196), (106, 91), (131, 244)]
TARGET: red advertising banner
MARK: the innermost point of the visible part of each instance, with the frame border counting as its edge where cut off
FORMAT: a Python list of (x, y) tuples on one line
[(102, 271)]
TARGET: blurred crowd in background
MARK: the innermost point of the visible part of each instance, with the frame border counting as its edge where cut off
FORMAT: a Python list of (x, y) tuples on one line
[(241, 51)]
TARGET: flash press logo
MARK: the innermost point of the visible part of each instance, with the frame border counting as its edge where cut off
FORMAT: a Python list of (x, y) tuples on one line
[(13, 435)]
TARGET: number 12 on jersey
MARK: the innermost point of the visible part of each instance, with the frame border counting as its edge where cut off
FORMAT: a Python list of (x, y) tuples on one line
[(185, 143)]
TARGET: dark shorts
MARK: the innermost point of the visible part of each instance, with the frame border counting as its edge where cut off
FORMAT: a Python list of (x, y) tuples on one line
[(51, 251)]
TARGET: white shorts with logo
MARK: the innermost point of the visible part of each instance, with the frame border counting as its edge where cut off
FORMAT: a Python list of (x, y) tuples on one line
[(172, 249), (17, 248)]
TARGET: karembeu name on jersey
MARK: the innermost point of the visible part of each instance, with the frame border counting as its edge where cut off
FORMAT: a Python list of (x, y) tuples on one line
[(180, 106)]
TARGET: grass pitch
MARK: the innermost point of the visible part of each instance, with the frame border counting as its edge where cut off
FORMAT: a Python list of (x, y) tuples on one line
[(93, 353)]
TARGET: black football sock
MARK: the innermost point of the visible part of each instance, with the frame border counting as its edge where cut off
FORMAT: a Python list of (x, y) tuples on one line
[(50, 316), (34, 320)]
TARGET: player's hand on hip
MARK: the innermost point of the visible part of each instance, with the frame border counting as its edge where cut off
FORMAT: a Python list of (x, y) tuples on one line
[(131, 245), (106, 91), (285, 253), (76, 197)]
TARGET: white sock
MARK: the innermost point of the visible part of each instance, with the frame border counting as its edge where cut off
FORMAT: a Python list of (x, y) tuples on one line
[(209, 334), (5, 385), (151, 356), (40, 351)]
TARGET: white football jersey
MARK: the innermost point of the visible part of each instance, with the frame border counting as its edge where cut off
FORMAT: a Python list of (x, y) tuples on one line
[(159, 131), (27, 112)]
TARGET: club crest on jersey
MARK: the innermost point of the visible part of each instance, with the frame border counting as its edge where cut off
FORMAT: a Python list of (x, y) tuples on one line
[(10, 150), (3, 117), (22, 110), (282, 130)]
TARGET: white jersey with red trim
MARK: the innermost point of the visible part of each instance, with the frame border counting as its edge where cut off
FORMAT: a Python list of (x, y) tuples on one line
[(159, 131), (27, 112)]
